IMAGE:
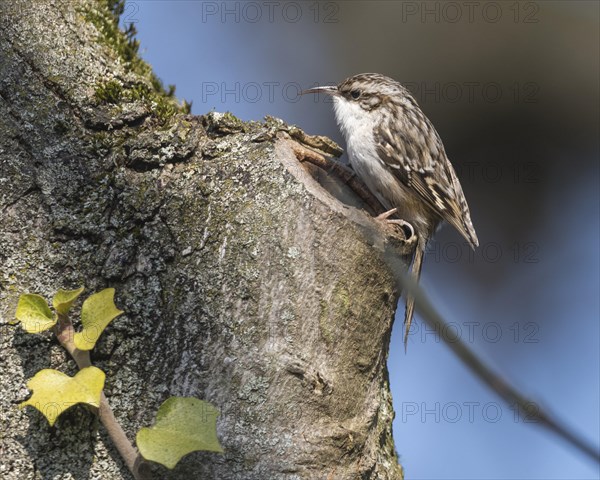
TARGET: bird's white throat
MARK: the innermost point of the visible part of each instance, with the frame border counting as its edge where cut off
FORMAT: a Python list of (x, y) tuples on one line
[(352, 118)]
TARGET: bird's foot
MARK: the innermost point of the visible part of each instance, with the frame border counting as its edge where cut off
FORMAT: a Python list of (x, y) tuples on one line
[(407, 228)]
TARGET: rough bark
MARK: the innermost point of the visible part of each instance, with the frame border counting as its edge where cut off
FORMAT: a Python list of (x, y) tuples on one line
[(244, 282)]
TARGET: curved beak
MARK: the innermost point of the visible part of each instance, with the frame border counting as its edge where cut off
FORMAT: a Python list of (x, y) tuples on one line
[(330, 90)]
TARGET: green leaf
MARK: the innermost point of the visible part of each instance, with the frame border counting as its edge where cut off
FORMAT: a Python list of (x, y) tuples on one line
[(54, 392), (183, 425), (34, 313), (63, 300), (96, 313)]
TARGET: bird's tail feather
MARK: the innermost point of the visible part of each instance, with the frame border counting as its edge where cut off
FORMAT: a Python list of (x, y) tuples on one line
[(415, 272)]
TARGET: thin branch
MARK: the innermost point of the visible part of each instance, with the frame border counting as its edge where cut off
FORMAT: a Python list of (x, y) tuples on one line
[(135, 463)]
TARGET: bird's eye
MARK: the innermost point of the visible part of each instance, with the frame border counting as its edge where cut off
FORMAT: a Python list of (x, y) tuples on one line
[(355, 94)]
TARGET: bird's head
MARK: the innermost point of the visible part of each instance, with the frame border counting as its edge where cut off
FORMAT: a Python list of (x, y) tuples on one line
[(358, 100), (367, 90)]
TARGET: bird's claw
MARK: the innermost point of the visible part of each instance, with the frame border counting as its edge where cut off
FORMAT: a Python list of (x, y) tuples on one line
[(386, 215), (407, 228)]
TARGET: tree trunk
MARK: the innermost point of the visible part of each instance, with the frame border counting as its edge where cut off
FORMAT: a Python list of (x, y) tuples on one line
[(243, 281)]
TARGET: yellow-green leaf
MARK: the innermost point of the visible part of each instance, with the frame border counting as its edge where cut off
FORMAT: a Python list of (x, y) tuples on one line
[(183, 425), (54, 392), (63, 300), (34, 313), (96, 313)]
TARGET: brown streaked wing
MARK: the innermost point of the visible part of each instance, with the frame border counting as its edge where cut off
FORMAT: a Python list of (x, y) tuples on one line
[(415, 154)]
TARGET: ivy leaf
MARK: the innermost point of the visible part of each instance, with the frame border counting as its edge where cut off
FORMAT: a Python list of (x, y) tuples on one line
[(183, 425), (63, 300), (54, 392), (96, 313), (34, 313)]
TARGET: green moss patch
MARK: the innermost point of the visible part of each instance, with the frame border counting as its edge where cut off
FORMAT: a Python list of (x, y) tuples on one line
[(150, 89)]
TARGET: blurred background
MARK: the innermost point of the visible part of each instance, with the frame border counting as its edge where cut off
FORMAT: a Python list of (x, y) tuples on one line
[(513, 90)]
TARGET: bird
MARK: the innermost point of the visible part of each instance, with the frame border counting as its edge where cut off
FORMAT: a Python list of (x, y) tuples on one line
[(397, 153)]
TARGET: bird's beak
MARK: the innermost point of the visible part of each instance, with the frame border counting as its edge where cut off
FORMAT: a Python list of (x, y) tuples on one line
[(330, 90)]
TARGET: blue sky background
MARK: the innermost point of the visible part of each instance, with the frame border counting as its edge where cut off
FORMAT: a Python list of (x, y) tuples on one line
[(513, 90)]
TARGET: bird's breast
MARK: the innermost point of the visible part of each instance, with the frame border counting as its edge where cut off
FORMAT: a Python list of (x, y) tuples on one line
[(387, 187)]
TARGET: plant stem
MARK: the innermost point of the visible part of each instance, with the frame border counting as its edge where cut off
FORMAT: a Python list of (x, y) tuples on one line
[(135, 462)]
